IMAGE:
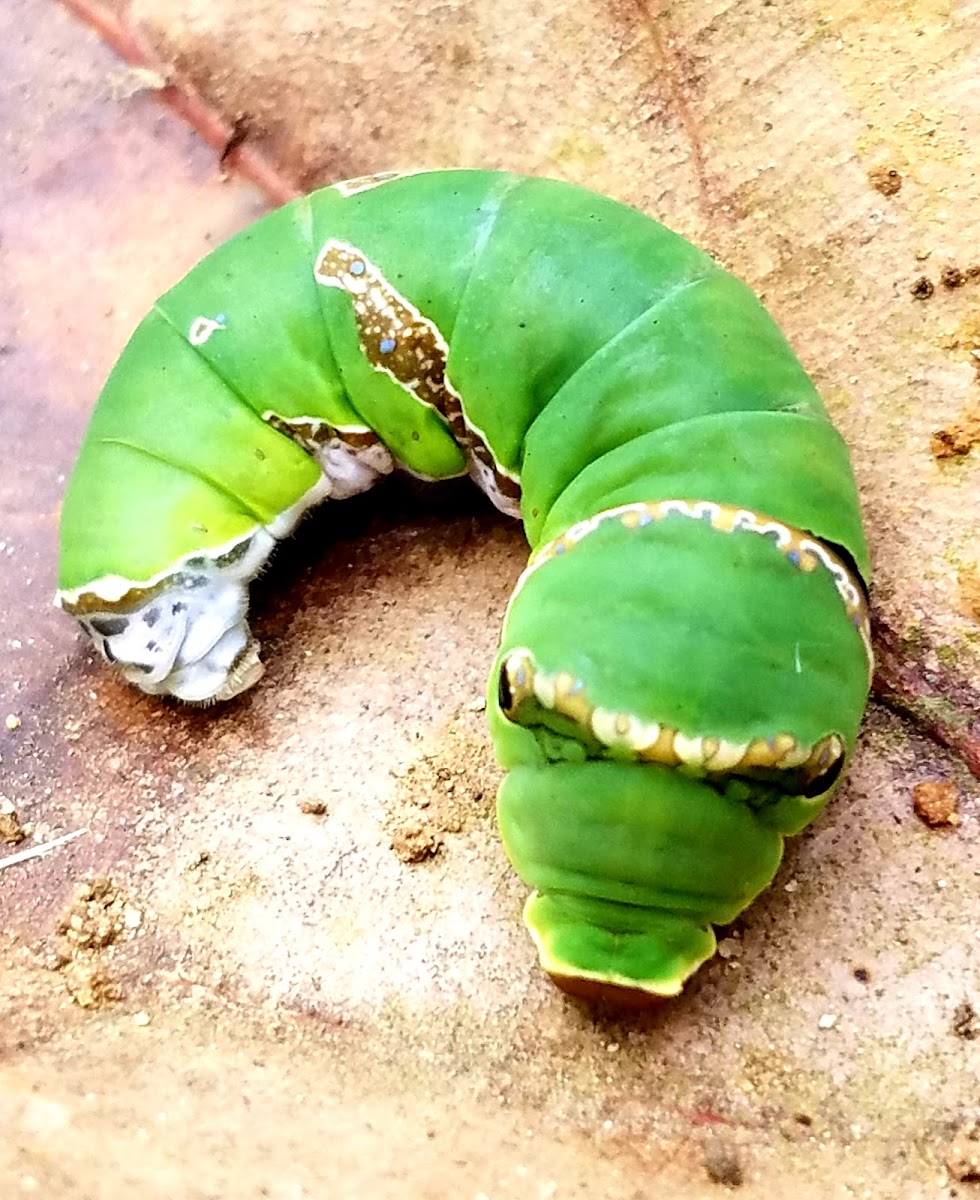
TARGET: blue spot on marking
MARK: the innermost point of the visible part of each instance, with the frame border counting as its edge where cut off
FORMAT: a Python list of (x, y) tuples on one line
[(221, 318), (794, 557), (387, 345), (559, 549), (357, 268)]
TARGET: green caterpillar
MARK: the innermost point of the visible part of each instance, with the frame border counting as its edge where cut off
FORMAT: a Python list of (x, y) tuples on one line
[(685, 661)]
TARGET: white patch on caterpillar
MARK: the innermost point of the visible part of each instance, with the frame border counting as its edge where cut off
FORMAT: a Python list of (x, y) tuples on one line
[(348, 468), (485, 479), (187, 636), (185, 632), (203, 327), (189, 639), (351, 469), (286, 522)]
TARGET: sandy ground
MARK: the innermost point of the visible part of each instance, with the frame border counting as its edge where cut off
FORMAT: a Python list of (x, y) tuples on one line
[(247, 978)]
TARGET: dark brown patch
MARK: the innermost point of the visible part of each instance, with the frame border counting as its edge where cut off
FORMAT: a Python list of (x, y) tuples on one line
[(923, 288), (241, 130), (721, 1163), (886, 180), (313, 434), (11, 830), (952, 277), (394, 337), (397, 339), (957, 439), (966, 1021), (612, 995)]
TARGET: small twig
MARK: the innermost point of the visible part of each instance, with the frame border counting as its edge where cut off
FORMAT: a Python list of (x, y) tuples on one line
[(36, 851), (185, 102), (945, 707)]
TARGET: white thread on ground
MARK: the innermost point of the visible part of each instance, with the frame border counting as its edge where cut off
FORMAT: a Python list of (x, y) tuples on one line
[(36, 851)]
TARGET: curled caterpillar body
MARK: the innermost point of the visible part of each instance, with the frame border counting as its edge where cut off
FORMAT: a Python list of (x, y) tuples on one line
[(685, 662)]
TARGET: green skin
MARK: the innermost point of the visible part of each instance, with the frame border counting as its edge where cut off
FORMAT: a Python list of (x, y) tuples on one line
[(606, 361)]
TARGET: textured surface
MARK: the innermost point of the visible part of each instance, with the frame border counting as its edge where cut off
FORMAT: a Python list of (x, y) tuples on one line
[(299, 1003)]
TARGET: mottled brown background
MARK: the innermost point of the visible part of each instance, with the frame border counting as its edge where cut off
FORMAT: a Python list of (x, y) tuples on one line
[(301, 1012)]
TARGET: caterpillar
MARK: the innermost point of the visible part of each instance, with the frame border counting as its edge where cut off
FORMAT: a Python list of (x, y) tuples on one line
[(685, 661)]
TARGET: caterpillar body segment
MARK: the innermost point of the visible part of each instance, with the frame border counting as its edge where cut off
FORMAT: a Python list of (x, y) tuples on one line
[(686, 659)]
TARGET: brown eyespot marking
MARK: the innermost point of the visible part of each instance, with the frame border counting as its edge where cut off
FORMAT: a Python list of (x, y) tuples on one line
[(526, 693), (398, 340)]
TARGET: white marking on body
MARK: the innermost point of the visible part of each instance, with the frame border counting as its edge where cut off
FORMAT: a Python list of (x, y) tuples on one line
[(795, 757), (286, 521), (690, 750), (544, 688), (364, 183), (112, 588), (352, 470), (604, 727), (187, 635), (486, 481), (726, 756), (650, 741), (203, 327)]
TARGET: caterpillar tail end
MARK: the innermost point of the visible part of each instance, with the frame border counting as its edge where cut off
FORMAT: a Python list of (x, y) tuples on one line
[(184, 634), (623, 956)]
